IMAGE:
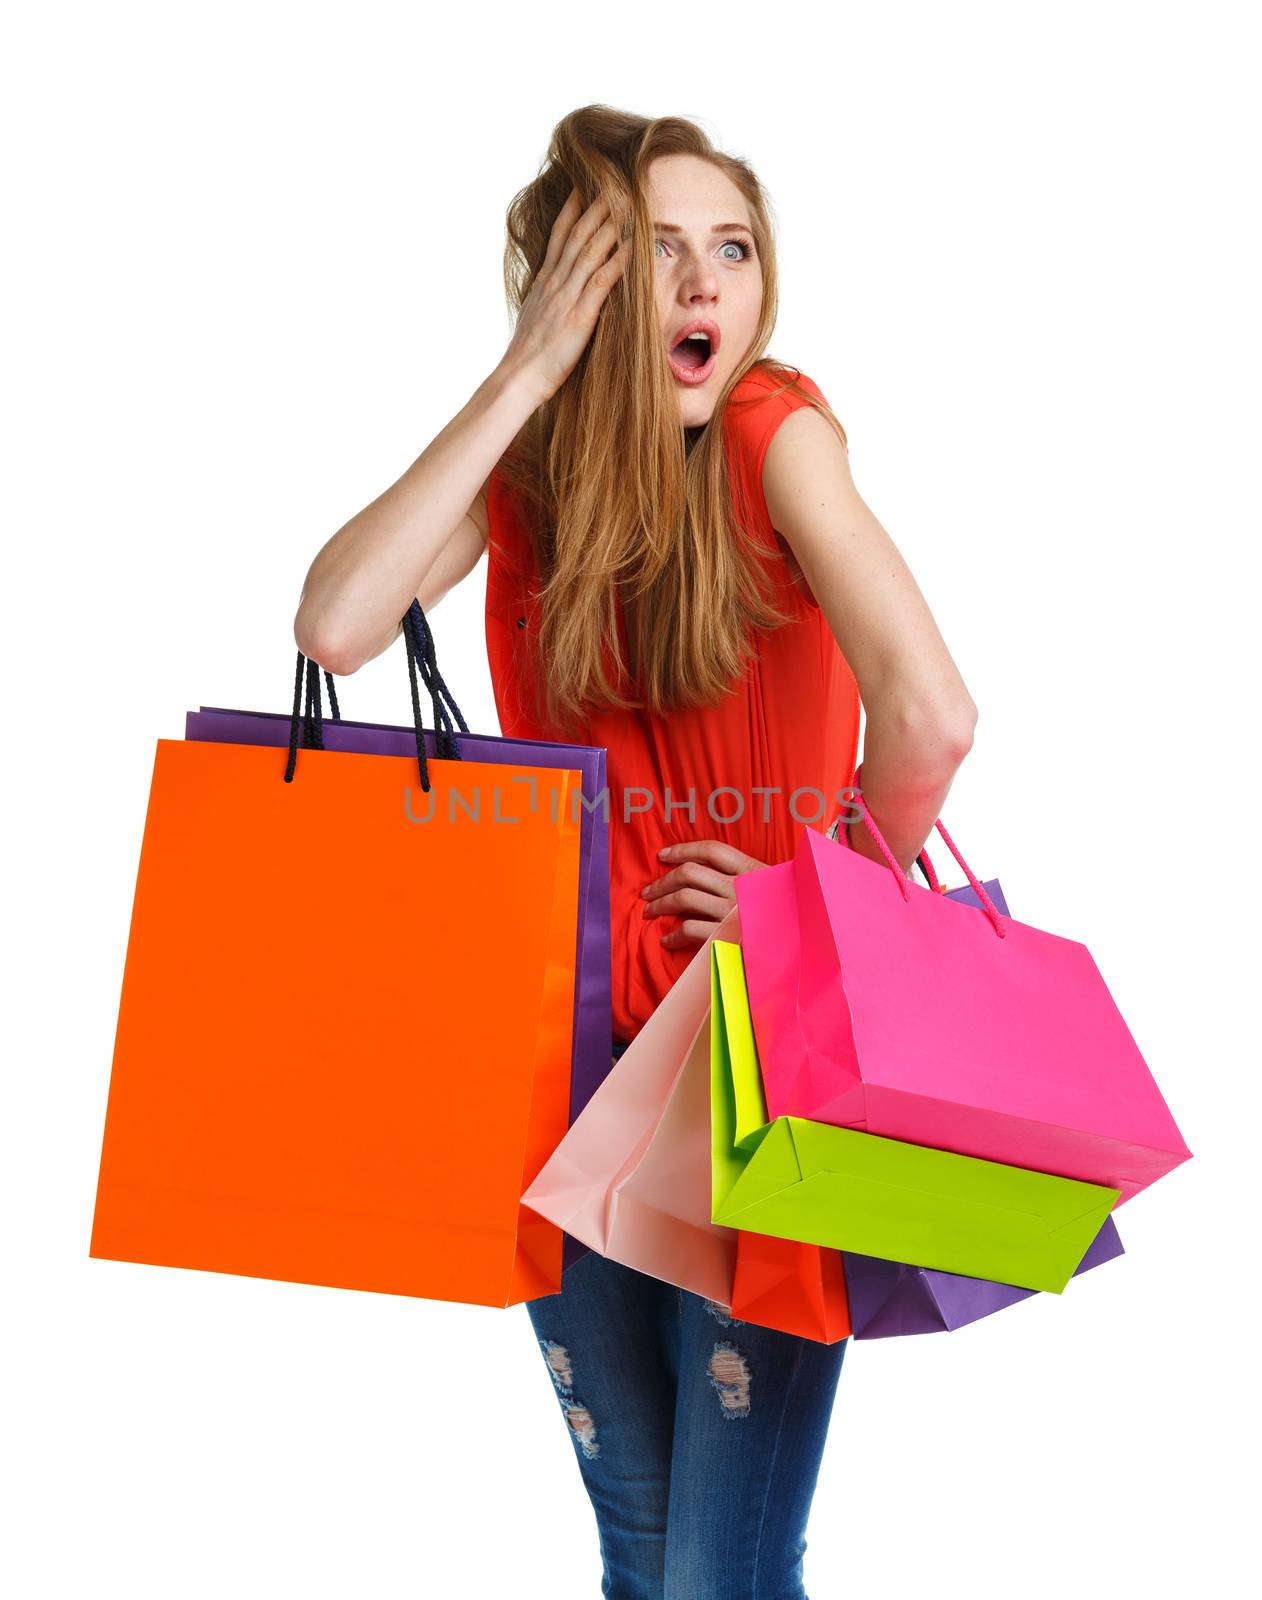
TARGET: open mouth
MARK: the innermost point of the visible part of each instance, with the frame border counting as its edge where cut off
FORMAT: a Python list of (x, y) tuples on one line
[(693, 351)]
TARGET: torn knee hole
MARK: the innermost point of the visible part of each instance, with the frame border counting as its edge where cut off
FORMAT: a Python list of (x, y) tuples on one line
[(558, 1358), (577, 1415), (730, 1375), (580, 1420)]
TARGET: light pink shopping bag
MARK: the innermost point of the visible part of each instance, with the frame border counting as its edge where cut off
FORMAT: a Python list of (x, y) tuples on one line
[(882, 1006), (631, 1178)]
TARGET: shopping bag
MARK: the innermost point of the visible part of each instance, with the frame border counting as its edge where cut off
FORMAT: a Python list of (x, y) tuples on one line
[(631, 1178), (780, 1283), (849, 1190), (883, 1007), (796, 1288), (889, 1298), (593, 1026), (308, 1083)]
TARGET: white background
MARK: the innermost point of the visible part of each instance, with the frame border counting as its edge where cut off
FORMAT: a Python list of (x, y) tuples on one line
[(253, 267)]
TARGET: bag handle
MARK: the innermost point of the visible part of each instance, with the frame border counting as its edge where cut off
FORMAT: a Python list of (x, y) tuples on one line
[(421, 657), (931, 877), (922, 860), (904, 883)]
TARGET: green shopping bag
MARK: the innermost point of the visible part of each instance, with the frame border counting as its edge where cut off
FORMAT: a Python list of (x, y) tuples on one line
[(796, 1179)]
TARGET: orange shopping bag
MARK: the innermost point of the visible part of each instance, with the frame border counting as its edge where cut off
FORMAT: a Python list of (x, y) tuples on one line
[(798, 1288), (343, 1040)]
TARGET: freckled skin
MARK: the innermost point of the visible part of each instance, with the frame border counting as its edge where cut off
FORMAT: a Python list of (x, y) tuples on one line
[(701, 273)]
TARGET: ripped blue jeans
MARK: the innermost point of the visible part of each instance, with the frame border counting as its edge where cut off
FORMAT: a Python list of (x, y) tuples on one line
[(698, 1436)]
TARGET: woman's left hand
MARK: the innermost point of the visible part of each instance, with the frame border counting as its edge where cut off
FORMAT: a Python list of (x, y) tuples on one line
[(698, 887)]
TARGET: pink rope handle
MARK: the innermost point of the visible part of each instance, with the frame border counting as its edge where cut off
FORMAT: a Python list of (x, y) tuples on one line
[(852, 795), (988, 905)]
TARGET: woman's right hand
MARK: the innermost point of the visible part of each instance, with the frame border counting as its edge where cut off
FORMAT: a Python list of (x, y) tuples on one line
[(559, 314)]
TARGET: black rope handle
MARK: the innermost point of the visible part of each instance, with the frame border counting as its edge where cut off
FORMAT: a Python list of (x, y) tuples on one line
[(434, 679), (441, 735), (313, 718), (421, 658), (444, 737)]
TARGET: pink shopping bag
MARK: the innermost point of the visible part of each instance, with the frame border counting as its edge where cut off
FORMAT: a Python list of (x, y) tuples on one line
[(882, 1006)]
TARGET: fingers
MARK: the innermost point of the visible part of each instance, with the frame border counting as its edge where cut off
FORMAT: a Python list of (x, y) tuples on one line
[(565, 219), (690, 902), (687, 933), (699, 893), (600, 243), (714, 853), (689, 875), (591, 221), (571, 229), (602, 280), (591, 258)]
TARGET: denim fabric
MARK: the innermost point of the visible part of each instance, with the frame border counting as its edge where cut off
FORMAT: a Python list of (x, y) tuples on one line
[(698, 1436)]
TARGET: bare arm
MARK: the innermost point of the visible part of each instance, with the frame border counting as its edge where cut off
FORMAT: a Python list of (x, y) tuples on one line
[(427, 530), (920, 716), (364, 579)]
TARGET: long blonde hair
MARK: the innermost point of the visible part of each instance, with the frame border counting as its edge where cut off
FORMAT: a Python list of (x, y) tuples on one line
[(616, 505)]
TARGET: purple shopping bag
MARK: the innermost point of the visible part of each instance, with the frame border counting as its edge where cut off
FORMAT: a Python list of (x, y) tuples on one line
[(592, 1049), (888, 1298)]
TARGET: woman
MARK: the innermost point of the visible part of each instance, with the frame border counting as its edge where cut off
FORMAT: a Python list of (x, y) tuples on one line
[(682, 570)]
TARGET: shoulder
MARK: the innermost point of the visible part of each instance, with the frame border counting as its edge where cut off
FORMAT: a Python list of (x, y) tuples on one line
[(757, 406), (768, 482), (769, 392)]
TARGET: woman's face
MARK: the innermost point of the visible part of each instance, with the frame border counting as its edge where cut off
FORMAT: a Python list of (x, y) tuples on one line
[(707, 272)]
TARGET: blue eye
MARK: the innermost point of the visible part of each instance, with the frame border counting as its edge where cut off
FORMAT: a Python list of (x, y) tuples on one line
[(746, 250)]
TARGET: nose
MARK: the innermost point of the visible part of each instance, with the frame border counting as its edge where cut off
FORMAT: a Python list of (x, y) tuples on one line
[(699, 283)]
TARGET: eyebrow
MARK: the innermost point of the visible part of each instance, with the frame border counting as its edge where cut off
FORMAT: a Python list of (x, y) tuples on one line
[(719, 227)]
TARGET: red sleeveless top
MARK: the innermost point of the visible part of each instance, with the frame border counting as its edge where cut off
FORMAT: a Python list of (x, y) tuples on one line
[(785, 739)]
